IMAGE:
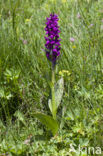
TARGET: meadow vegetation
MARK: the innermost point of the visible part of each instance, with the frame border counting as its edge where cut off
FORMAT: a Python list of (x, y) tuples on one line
[(25, 75)]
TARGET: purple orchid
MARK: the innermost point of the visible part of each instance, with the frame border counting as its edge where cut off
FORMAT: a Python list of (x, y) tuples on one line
[(52, 38)]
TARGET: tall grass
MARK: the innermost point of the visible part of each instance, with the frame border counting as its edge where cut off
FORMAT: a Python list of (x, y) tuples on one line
[(21, 49)]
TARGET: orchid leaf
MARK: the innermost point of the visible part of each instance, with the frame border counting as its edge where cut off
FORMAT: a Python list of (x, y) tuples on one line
[(59, 88), (50, 105), (48, 121)]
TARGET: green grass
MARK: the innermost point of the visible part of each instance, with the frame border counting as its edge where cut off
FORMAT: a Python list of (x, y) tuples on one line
[(25, 74)]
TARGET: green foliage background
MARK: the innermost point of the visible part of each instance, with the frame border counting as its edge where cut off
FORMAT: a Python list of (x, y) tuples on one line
[(25, 76)]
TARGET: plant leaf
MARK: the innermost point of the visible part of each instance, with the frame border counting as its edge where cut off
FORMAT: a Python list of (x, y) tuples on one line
[(59, 88), (48, 121), (20, 117), (50, 105)]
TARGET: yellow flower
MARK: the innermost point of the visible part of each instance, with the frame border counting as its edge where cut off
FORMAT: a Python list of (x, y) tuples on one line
[(27, 20), (64, 72), (60, 73), (64, 1), (76, 87), (73, 46), (68, 73)]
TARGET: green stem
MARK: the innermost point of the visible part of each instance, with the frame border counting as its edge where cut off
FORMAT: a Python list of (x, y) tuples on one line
[(53, 94)]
